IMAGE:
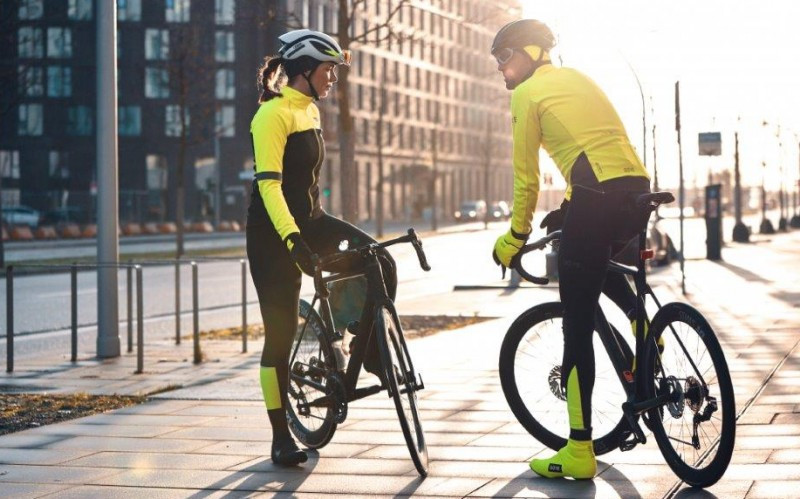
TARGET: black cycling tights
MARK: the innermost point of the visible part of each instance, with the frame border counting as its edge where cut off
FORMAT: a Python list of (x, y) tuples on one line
[(277, 282), (595, 223)]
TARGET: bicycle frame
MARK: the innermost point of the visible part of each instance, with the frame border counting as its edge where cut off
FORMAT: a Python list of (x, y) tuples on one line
[(377, 298)]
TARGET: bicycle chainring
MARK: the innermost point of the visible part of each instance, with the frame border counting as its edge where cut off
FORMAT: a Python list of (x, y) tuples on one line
[(554, 380)]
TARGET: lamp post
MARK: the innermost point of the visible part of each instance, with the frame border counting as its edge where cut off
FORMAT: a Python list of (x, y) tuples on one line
[(795, 223), (740, 232)]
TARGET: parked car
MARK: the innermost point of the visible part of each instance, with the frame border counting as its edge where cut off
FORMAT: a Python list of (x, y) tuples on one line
[(471, 211), (67, 214), (21, 215), (499, 210)]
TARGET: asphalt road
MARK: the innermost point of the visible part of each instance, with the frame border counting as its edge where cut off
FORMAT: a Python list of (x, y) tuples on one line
[(458, 256)]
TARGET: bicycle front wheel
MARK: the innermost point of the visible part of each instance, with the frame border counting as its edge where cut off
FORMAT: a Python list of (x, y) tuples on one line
[(530, 374), (697, 429), (314, 390), (402, 385)]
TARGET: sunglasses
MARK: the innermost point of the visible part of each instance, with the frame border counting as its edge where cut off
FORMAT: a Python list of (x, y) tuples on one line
[(503, 55)]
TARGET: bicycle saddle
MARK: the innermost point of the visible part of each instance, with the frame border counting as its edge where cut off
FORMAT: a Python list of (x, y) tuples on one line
[(653, 199)]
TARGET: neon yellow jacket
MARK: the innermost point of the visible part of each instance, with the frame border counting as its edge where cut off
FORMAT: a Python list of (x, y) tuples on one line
[(288, 150), (567, 113)]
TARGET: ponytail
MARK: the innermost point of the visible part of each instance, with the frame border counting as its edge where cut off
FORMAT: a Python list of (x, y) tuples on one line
[(270, 77)]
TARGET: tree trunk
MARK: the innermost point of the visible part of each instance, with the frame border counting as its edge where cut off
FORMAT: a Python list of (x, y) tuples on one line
[(348, 188)]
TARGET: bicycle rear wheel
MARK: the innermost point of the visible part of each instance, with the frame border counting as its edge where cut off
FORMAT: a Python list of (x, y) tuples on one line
[(402, 385), (530, 374), (314, 387), (697, 430)]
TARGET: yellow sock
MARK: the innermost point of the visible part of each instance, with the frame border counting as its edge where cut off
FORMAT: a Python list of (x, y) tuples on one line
[(270, 388)]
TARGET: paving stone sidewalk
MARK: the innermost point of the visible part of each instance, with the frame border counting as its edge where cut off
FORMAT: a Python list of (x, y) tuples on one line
[(211, 437)]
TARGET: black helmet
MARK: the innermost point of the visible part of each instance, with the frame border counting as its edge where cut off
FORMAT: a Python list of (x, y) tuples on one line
[(519, 34)]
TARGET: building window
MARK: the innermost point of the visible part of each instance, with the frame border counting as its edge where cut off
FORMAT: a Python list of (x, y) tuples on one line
[(156, 172), (59, 43), (31, 81), (224, 11), (30, 9), (31, 120), (226, 121), (156, 44), (59, 164), (173, 126), (129, 10), (79, 120), (129, 121), (9, 164), (224, 47), (178, 11), (30, 42), (79, 10), (156, 83), (226, 88), (59, 81)]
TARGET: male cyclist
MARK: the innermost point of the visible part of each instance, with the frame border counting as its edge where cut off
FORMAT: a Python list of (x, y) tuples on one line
[(564, 111)]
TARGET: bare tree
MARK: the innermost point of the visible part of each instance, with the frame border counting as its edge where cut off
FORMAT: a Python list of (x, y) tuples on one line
[(190, 78)]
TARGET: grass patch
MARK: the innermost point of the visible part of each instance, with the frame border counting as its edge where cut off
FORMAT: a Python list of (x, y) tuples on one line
[(413, 326), (21, 411)]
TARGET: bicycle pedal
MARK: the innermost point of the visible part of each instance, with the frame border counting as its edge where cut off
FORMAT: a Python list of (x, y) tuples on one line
[(630, 440)]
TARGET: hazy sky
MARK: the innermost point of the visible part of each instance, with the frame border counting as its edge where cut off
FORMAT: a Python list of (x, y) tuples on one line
[(734, 58)]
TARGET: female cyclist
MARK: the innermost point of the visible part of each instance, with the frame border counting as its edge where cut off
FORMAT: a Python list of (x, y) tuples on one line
[(285, 222)]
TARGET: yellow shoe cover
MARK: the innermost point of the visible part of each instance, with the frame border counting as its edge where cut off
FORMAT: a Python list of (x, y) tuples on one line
[(576, 460)]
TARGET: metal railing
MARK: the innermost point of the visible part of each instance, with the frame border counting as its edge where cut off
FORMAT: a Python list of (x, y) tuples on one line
[(130, 266), (73, 271)]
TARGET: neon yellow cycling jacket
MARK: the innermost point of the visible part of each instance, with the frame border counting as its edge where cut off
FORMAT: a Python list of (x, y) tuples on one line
[(288, 150), (567, 113)]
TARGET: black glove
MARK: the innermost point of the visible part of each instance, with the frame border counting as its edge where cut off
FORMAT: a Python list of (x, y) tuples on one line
[(554, 220), (300, 252)]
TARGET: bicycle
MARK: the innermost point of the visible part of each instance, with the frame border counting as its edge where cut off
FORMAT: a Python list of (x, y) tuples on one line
[(683, 394), (321, 386)]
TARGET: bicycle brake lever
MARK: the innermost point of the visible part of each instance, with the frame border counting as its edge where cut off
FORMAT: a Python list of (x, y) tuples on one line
[(502, 272)]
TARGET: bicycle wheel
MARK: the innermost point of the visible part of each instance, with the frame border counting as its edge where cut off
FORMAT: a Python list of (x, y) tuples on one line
[(402, 385), (530, 374), (310, 379), (695, 432)]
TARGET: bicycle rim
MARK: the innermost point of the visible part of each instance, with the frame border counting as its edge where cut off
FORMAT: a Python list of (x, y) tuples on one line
[(399, 372), (530, 374), (693, 367), (315, 425)]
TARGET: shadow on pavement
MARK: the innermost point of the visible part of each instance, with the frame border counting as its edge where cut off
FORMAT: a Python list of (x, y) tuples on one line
[(743, 273), (264, 477), (694, 493), (528, 484)]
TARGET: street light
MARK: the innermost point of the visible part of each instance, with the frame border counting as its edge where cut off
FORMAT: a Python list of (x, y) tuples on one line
[(766, 226), (795, 223)]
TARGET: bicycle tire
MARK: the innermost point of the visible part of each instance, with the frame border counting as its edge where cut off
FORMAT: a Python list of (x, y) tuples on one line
[(401, 381), (679, 367), (545, 417), (315, 429)]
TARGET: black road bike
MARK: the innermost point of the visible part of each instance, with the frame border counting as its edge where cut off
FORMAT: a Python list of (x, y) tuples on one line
[(321, 386), (677, 382)]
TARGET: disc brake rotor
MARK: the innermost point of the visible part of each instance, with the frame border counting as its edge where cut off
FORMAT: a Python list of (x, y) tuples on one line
[(554, 380)]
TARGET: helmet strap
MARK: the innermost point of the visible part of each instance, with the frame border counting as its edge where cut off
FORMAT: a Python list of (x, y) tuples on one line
[(307, 76)]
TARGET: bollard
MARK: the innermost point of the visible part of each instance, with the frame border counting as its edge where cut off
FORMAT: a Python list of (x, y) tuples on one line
[(130, 306), (177, 301), (196, 315), (74, 291), (10, 319), (244, 305), (139, 322)]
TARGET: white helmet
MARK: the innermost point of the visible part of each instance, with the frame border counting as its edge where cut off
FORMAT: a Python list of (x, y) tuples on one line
[(319, 46)]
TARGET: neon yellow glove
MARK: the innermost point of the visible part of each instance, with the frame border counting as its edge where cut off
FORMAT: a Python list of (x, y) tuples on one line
[(507, 246)]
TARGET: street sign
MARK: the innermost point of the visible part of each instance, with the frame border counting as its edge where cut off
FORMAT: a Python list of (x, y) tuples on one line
[(710, 144)]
